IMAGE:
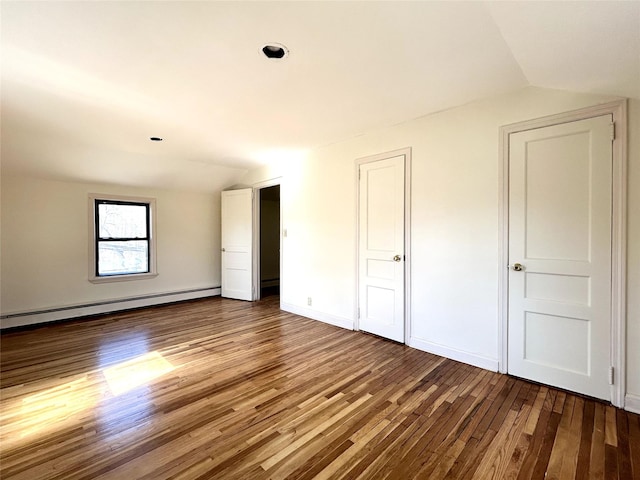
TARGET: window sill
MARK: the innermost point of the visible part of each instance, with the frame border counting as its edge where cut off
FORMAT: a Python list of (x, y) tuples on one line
[(122, 278)]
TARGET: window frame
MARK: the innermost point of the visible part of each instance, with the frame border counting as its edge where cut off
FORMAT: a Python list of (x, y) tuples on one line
[(96, 199)]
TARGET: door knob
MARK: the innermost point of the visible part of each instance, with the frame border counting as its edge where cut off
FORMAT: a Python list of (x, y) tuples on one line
[(517, 267), (397, 258), (223, 250)]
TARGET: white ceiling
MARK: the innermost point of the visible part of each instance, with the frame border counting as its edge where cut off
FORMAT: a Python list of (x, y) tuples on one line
[(85, 84)]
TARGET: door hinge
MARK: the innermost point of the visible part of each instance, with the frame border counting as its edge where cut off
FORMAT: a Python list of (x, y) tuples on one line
[(613, 130), (359, 172), (611, 375)]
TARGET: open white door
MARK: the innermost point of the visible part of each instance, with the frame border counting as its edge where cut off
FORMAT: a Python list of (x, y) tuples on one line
[(381, 247), (237, 244), (560, 200)]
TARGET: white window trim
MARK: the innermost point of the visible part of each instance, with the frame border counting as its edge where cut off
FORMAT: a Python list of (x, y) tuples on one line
[(153, 272)]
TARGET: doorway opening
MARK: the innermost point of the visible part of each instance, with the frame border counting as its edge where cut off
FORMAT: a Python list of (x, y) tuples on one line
[(269, 241)]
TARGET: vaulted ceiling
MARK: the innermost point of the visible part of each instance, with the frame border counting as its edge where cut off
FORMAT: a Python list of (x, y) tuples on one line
[(85, 84)]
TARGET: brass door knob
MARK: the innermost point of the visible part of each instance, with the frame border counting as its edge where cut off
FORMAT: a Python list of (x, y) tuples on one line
[(397, 258), (517, 267)]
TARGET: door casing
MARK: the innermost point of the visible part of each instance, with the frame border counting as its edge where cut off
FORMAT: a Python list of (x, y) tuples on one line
[(618, 110), (406, 152)]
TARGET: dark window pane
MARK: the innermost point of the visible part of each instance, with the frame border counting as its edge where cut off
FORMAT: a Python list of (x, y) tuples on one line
[(122, 221), (117, 258)]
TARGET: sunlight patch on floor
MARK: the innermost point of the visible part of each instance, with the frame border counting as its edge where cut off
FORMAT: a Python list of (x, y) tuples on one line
[(39, 411), (136, 372), (51, 408)]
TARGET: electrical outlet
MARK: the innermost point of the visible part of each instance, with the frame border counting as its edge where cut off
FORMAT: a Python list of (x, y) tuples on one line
[(309, 301)]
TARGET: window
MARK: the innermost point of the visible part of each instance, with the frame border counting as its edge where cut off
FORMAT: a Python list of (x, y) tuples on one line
[(123, 240)]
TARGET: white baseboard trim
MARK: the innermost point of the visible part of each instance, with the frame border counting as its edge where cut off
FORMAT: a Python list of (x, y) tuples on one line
[(632, 403), (342, 322), (21, 319), (453, 354)]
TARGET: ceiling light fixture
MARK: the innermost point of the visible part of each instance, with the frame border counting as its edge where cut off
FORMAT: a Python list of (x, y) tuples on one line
[(155, 139), (275, 51)]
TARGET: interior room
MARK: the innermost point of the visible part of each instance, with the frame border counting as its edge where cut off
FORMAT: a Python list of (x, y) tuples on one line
[(370, 239)]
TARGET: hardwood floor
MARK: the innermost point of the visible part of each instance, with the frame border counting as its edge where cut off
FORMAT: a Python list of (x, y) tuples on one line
[(223, 389)]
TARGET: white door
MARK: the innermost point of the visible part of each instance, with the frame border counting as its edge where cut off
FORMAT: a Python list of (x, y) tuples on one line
[(237, 243), (381, 248), (560, 198)]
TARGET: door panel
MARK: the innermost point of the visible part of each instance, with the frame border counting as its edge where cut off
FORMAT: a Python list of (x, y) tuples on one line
[(381, 237), (554, 350), (572, 289), (237, 244), (560, 181), (557, 200)]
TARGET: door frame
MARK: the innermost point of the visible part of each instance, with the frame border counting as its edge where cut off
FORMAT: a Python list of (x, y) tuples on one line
[(407, 234), (618, 110), (256, 234)]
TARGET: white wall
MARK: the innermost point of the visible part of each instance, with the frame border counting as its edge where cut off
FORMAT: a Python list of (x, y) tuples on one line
[(45, 244), (454, 264)]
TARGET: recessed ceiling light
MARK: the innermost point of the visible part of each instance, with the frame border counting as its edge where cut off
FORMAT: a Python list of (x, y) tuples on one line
[(275, 50), (155, 139)]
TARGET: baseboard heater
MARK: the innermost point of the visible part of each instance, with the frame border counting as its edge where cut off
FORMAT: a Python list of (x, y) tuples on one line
[(19, 319)]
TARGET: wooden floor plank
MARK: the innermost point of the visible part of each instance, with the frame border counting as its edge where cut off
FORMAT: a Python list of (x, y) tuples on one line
[(217, 388), (624, 449), (634, 444), (596, 464), (536, 440), (561, 444), (586, 435)]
